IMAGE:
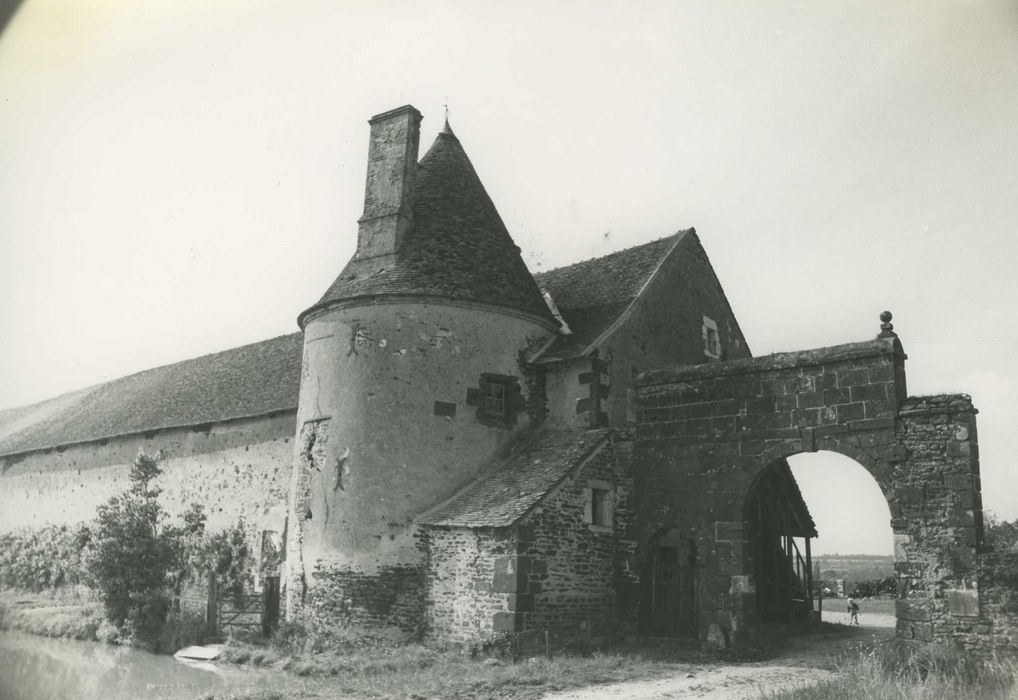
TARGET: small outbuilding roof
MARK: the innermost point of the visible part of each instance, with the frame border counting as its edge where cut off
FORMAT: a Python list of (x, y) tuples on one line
[(241, 382), (592, 295), (509, 488)]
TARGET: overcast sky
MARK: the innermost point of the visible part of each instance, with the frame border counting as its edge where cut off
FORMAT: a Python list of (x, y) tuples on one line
[(181, 177)]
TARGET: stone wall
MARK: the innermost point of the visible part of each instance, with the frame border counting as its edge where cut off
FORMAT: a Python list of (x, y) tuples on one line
[(936, 512), (705, 434), (572, 576), (553, 571), (389, 598), (995, 629), (464, 592)]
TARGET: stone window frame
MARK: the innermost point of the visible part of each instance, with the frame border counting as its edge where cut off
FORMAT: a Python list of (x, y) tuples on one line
[(499, 410), (711, 350), (599, 505), (494, 394)]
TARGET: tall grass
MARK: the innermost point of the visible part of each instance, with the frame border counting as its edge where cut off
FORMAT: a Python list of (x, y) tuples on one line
[(390, 667), (898, 673), (59, 614)]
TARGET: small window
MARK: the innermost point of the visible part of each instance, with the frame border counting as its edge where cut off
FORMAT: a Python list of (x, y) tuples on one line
[(493, 395), (497, 399), (711, 340), (600, 507)]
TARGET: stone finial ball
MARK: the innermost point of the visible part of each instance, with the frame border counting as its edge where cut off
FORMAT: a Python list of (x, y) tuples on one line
[(885, 316)]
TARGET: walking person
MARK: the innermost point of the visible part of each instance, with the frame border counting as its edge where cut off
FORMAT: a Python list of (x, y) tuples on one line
[(853, 612)]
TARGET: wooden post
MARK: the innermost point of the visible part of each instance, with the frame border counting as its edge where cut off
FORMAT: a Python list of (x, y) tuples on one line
[(809, 574), (212, 608)]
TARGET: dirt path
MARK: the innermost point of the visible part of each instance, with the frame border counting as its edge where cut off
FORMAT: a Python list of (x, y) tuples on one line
[(713, 682), (806, 663)]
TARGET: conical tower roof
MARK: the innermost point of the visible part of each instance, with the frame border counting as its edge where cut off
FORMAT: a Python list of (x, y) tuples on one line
[(458, 247)]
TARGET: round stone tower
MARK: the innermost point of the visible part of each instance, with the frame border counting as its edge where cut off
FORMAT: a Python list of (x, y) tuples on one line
[(412, 377)]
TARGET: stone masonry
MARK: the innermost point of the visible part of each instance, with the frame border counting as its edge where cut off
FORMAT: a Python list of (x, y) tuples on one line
[(706, 432), (554, 570)]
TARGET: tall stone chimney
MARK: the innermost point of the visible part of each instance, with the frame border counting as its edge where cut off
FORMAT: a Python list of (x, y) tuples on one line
[(392, 174)]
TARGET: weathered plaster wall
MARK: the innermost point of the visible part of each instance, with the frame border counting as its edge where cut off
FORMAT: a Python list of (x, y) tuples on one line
[(564, 392), (389, 385), (235, 469)]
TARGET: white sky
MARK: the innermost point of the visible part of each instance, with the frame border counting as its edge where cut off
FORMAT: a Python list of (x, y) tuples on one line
[(185, 176)]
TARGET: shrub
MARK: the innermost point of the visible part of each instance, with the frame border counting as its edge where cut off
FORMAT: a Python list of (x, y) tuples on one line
[(1000, 561), (224, 555), (874, 588), (132, 557), (43, 558)]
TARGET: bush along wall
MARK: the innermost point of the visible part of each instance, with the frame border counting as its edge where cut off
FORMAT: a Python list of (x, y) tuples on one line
[(45, 558)]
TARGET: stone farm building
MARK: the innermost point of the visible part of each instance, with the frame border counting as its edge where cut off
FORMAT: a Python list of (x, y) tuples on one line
[(463, 450)]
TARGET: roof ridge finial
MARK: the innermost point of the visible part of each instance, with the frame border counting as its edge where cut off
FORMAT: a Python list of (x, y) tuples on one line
[(447, 129), (886, 327)]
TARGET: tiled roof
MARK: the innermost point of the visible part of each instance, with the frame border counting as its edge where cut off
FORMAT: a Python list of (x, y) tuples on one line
[(509, 488), (246, 381), (593, 294), (457, 248)]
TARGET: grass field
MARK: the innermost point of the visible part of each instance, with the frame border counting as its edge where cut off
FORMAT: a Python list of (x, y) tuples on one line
[(883, 673)]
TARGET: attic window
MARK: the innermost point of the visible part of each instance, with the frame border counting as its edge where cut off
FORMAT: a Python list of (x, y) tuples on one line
[(711, 340)]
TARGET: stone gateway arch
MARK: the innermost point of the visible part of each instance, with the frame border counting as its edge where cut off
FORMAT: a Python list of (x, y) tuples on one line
[(707, 434)]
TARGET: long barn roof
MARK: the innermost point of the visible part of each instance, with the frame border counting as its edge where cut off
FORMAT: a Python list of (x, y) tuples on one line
[(247, 381)]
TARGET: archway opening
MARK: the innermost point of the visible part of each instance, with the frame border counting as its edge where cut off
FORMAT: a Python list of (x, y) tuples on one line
[(853, 556), (817, 531)]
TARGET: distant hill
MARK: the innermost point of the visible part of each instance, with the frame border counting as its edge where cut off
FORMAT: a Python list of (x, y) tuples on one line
[(853, 567)]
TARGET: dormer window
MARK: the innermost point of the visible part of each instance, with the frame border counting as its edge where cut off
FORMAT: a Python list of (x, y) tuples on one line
[(711, 339)]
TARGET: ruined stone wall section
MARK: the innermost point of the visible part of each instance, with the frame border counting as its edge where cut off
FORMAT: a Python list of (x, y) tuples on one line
[(236, 469), (937, 516)]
